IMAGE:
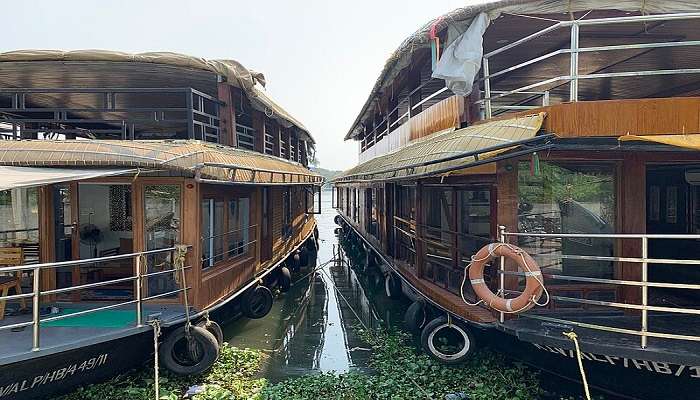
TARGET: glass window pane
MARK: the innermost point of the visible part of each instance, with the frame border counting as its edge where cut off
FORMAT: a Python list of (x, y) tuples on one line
[(238, 226), (568, 198), (162, 212), (19, 221)]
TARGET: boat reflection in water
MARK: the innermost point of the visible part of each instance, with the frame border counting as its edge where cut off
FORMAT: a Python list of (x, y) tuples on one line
[(311, 327)]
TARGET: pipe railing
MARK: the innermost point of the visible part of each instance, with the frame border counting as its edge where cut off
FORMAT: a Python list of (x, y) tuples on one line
[(643, 283), (37, 293), (574, 76)]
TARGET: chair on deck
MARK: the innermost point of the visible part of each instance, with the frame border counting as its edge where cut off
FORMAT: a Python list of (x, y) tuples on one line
[(11, 256)]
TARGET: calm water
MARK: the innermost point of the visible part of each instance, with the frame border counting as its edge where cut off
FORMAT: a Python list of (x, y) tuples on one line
[(310, 328)]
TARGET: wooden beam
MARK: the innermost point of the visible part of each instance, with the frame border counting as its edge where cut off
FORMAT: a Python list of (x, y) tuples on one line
[(227, 115)]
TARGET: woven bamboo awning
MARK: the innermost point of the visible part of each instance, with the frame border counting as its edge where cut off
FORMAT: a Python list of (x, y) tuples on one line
[(449, 151), (188, 157)]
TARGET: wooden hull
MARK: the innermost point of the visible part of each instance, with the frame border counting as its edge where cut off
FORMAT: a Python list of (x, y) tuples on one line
[(631, 378), (46, 376)]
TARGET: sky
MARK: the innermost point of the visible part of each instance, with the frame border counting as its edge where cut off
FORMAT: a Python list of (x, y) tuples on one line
[(320, 57)]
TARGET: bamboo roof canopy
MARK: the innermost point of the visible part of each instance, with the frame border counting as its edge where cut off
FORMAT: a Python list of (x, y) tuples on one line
[(43, 69), (512, 20), (189, 157), (448, 150)]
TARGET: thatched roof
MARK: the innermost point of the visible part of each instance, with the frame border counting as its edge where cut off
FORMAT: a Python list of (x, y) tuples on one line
[(187, 157), (462, 17)]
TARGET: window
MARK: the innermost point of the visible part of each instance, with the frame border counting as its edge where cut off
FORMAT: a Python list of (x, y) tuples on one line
[(162, 213), (238, 226), (19, 221), (212, 231), (372, 221), (312, 204), (568, 198), (226, 229)]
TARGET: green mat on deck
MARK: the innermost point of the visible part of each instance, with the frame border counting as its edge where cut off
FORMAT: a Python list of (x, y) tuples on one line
[(97, 319)]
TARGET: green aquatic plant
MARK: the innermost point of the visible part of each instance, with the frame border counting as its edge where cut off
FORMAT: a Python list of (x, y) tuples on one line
[(233, 377), (401, 372)]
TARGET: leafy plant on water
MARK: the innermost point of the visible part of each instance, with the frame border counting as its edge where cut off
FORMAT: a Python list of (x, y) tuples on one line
[(400, 372), (232, 377)]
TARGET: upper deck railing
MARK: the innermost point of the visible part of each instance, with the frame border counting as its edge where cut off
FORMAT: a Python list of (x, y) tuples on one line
[(112, 113), (574, 77)]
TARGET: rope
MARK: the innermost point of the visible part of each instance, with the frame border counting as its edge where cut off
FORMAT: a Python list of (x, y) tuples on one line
[(492, 249), (155, 323), (332, 282), (574, 338)]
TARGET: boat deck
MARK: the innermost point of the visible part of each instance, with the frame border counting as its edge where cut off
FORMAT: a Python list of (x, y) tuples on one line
[(684, 352), (78, 331)]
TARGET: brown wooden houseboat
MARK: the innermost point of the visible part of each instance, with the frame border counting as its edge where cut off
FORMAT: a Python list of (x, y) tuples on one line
[(139, 192), (564, 131)]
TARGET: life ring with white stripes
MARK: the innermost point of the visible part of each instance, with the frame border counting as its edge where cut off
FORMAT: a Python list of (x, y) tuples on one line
[(533, 278)]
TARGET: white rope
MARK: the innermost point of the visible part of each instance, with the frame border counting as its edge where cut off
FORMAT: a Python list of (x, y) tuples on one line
[(492, 249), (156, 333)]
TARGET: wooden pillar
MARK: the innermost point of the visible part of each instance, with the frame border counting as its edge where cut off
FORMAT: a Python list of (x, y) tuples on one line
[(632, 190), (190, 235), (420, 245), (46, 239), (275, 132), (259, 126), (507, 183), (227, 115)]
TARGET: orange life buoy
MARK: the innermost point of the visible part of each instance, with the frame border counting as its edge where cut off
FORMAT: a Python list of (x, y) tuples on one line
[(533, 278)]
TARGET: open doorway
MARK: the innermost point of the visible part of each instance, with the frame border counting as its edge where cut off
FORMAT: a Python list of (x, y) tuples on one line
[(105, 228), (673, 207)]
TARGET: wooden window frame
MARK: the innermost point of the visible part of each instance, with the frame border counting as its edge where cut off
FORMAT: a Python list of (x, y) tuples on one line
[(226, 195)]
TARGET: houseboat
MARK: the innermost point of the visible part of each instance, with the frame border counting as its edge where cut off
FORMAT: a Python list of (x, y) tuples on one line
[(529, 174), (140, 195)]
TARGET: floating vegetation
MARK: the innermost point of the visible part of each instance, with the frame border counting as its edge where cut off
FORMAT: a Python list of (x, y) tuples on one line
[(400, 372)]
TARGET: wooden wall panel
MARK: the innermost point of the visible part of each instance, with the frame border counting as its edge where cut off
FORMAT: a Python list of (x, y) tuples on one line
[(227, 279), (443, 115), (621, 117)]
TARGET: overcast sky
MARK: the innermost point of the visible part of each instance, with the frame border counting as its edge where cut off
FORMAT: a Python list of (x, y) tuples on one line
[(320, 57)]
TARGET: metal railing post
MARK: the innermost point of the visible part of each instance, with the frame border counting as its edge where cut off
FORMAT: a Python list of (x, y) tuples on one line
[(36, 303), (573, 93), (139, 294), (645, 290), (502, 267), (487, 87), (545, 98)]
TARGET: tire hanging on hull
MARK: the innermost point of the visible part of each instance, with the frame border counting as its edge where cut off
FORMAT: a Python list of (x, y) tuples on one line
[(190, 352), (458, 331)]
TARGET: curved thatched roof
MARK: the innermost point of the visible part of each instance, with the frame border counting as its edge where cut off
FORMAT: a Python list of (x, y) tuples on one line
[(233, 72), (462, 17), (213, 161)]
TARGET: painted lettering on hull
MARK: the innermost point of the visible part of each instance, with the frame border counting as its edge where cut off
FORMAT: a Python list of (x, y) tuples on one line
[(642, 365), (53, 376)]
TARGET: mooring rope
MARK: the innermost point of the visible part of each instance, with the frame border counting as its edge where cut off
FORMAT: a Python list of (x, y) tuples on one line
[(332, 283), (155, 323), (574, 338)]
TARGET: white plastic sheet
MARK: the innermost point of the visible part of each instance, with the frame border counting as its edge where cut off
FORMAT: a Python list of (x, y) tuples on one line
[(461, 60), (18, 177)]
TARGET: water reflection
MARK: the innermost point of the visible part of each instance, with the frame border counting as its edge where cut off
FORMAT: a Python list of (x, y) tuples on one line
[(311, 327)]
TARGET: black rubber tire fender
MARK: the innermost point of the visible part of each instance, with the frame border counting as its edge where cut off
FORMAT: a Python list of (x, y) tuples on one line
[(416, 317), (338, 219), (284, 279), (392, 286), (257, 302), (213, 328), (433, 327), (303, 257), (179, 360)]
